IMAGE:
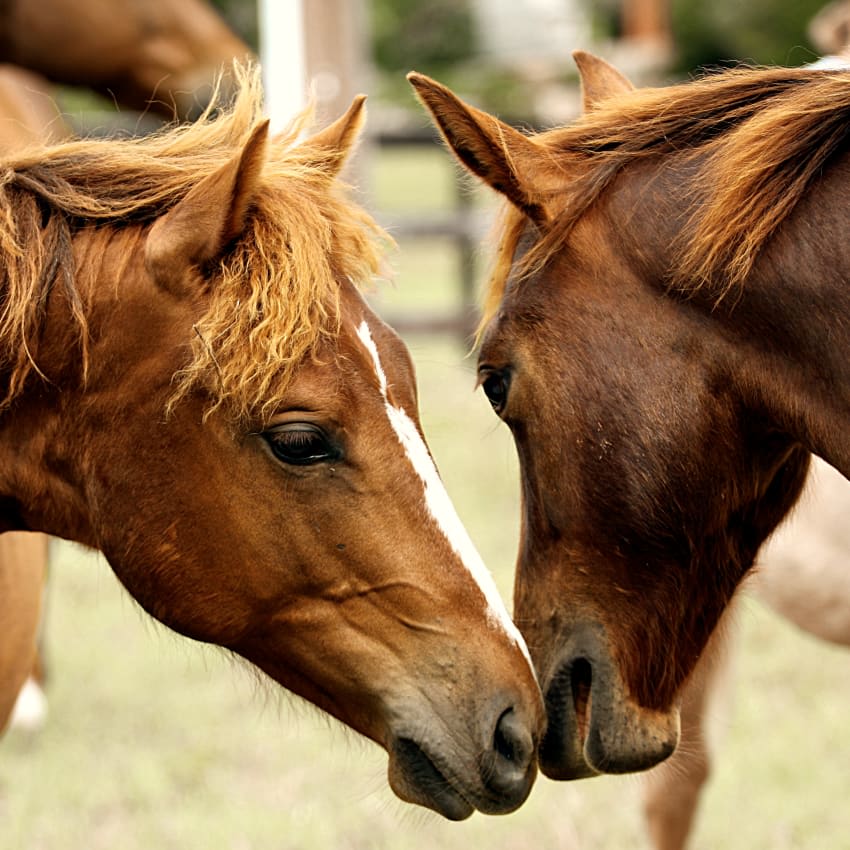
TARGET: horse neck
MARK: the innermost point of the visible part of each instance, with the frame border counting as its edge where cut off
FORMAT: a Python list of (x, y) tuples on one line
[(796, 308), (43, 433), (787, 328)]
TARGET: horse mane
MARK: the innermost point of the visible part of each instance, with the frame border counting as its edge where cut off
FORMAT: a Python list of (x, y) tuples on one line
[(272, 297), (760, 137)]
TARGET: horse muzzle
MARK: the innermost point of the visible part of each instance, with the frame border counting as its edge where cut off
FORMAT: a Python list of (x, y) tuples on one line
[(454, 780), (593, 727)]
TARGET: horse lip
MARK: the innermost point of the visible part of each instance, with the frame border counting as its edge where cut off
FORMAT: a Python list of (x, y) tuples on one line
[(415, 777), (569, 703), (594, 729)]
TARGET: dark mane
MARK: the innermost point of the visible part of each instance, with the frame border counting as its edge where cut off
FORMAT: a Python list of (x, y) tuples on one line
[(763, 136), (275, 294)]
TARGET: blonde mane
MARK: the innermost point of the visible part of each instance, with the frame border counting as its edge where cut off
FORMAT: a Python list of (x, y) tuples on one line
[(273, 297), (762, 136)]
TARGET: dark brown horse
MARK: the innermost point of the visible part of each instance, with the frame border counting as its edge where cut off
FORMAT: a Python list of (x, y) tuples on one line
[(192, 383), (666, 336), (158, 54)]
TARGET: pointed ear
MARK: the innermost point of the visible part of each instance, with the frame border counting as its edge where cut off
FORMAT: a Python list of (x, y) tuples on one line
[(333, 145), (501, 156), (599, 79), (199, 228)]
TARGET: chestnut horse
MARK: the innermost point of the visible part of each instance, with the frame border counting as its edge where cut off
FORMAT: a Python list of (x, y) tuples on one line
[(665, 335), (161, 54), (192, 384)]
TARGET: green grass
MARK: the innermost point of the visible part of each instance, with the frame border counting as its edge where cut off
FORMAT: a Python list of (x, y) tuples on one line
[(156, 742)]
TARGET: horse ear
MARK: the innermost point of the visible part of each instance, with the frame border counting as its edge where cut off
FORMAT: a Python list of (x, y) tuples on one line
[(599, 79), (211, 215), (501, 156), (331, 147)]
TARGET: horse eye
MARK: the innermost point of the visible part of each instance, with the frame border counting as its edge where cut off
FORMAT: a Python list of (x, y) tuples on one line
[(495, 386), (300, 444)]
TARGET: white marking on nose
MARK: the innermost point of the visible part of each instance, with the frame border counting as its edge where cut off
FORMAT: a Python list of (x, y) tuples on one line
[(437, 500)]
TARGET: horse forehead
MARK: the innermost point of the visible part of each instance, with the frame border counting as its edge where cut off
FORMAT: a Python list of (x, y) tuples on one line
[(524, 328), (373, 349)]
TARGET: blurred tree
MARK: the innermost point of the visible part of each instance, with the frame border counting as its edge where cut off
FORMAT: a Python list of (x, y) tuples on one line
[(427, 36), (770, 32), (241, 15)]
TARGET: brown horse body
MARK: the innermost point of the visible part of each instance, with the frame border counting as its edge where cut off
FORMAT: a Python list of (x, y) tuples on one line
[(193, 385), (161, 54), (666, 337)]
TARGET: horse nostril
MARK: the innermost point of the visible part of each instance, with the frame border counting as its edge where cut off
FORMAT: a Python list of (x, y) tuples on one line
[(512, 740), (509, 770), (581, 680)]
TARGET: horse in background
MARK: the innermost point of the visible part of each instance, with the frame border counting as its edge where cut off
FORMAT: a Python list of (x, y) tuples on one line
[(665, 336), (160, 55), (23, 572), (29, 114), (829, 29)]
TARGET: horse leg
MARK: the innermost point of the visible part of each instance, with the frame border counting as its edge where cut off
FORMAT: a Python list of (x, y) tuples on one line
[(671, 791), (30, 711), (23, 566)]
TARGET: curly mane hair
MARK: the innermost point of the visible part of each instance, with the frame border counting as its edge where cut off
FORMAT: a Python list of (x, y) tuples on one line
[(272, 297)]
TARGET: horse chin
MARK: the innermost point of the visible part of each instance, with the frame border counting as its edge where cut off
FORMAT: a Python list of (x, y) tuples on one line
[(415, 778), (420, 775), (593, 728)]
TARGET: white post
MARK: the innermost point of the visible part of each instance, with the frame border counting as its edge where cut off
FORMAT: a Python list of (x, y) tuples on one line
[(284, 58)]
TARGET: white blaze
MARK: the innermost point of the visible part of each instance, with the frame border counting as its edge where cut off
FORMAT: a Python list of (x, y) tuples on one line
[(438, 502)]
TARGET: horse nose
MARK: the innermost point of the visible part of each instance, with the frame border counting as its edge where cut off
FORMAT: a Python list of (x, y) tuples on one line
[(510, 766)]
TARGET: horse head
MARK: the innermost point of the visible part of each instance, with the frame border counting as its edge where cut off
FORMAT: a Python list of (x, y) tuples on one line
[(651, 472), (230, 423)]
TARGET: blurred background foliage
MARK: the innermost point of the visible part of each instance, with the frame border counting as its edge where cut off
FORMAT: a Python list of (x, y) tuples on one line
[(440, 38), (765, 32), (408, 34)]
